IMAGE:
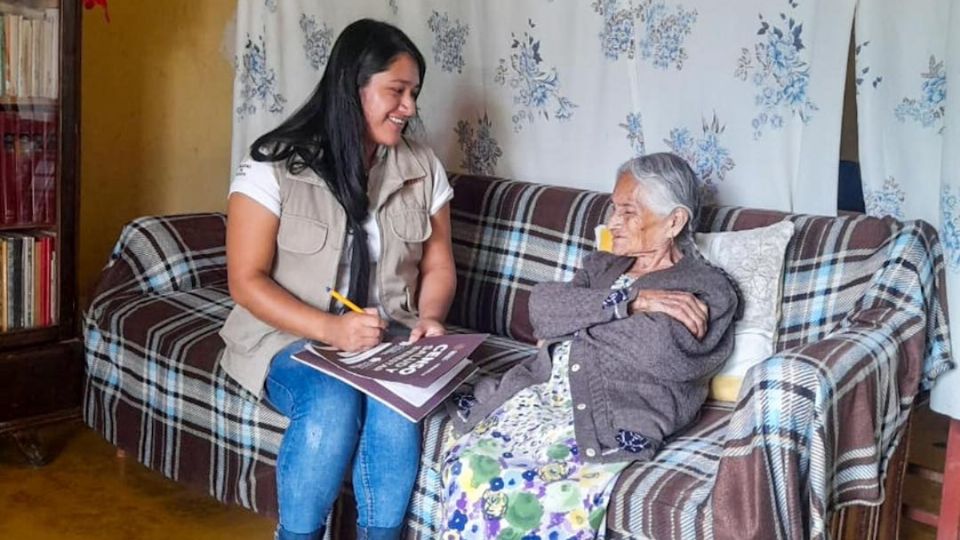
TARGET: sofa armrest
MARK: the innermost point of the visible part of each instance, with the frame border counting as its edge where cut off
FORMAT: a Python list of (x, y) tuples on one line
[(816, 425), (157, 254)]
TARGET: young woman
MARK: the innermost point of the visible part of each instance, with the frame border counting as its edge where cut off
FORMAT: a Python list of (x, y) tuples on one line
[(336, 197)]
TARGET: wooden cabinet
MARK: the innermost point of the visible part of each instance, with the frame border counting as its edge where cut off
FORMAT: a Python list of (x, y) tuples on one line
[(41, 363)]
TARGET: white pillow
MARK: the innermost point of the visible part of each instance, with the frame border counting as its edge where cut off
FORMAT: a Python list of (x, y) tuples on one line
[(754, 259)]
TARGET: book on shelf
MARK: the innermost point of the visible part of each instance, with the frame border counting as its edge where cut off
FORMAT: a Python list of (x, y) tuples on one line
[(412, 379), (28, 168), (29, 117), (4, 297), (29, 51), (28, 296), (9, 124), (25, 156), (45, 173)]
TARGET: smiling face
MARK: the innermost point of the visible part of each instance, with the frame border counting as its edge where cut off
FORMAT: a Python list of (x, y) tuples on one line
[(389, 100), (636, 229)]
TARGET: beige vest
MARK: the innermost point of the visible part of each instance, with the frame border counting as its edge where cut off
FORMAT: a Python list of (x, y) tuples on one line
[(312, 238)]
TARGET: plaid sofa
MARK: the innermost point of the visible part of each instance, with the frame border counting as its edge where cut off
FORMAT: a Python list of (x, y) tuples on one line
[(812, 448)]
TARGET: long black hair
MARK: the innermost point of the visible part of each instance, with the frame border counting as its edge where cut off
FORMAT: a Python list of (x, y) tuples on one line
[(327, 133)]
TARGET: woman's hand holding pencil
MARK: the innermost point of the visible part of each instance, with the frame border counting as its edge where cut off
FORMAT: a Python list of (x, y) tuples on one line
[(343, 300), (359, 329)]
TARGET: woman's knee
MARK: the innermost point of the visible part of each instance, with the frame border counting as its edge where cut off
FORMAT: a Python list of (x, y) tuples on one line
[(330, 420), (383, 423), (325, 414)]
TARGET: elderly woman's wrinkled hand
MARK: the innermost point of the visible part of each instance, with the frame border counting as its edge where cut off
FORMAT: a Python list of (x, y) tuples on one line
[(681, 305)]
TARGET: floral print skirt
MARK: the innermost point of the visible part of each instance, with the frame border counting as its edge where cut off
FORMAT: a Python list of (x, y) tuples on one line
[(519, 475)]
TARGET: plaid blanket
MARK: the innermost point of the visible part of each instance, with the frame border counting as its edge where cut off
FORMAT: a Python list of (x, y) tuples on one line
[(863, 329)]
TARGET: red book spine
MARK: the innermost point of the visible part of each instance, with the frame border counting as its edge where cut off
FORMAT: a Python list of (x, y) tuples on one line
[(11, 203), (25, 153), (4, 196), (37, 173), (45, 280), (51, 148), (54, 271)]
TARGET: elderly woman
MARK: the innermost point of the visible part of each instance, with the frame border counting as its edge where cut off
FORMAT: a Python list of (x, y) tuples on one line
[(627, 350)]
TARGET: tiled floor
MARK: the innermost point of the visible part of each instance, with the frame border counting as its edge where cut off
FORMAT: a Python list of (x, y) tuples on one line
[(87, 492)]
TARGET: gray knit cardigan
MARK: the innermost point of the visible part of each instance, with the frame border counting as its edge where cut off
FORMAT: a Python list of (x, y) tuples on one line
[(644, 373)]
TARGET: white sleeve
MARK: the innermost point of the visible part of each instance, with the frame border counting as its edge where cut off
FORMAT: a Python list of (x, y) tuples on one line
[(442, 191), (256, 180)]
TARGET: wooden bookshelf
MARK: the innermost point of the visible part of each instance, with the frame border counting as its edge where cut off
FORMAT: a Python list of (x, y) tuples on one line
[(41, 363)]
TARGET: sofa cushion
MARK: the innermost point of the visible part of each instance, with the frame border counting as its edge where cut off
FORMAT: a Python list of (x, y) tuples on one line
[(754, 259)]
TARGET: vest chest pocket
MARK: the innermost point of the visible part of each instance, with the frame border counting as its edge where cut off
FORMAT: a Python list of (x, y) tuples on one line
[(300, 234), (412, 226)]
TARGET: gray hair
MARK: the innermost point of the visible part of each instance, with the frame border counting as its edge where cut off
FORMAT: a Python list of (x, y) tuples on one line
[(668, 183)]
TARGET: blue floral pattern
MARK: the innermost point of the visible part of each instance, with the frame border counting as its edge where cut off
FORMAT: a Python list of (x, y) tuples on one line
[(617, 37), (886, 201), (779, 72), (394, 8), (950, 226), (533, 88), (634, 127), (464, 402), (271, 5), (663, 31), (616, 297), (863, 73), (448, 41), (706, 156), (479, 147), (520, 474), (632, 442), (927, 109), (258, 81), (317, 41)]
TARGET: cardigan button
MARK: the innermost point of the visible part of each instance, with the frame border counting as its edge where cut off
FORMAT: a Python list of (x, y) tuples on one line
[(591, 452), (575, 368), (581, 406)]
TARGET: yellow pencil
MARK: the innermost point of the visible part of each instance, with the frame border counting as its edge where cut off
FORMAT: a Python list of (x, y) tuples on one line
[(344, 300)]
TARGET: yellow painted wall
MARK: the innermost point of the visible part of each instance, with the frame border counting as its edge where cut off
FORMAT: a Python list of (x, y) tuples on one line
[(156, 98)]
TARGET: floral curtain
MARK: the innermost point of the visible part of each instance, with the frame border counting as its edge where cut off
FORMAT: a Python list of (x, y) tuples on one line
[(749, 93), (909, 148), (562, 92)]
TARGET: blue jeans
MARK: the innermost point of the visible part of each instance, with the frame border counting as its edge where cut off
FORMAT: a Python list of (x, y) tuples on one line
[(331, 424)]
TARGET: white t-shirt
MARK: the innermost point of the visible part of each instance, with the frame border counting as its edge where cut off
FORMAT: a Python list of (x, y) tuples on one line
[(256, 180)]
